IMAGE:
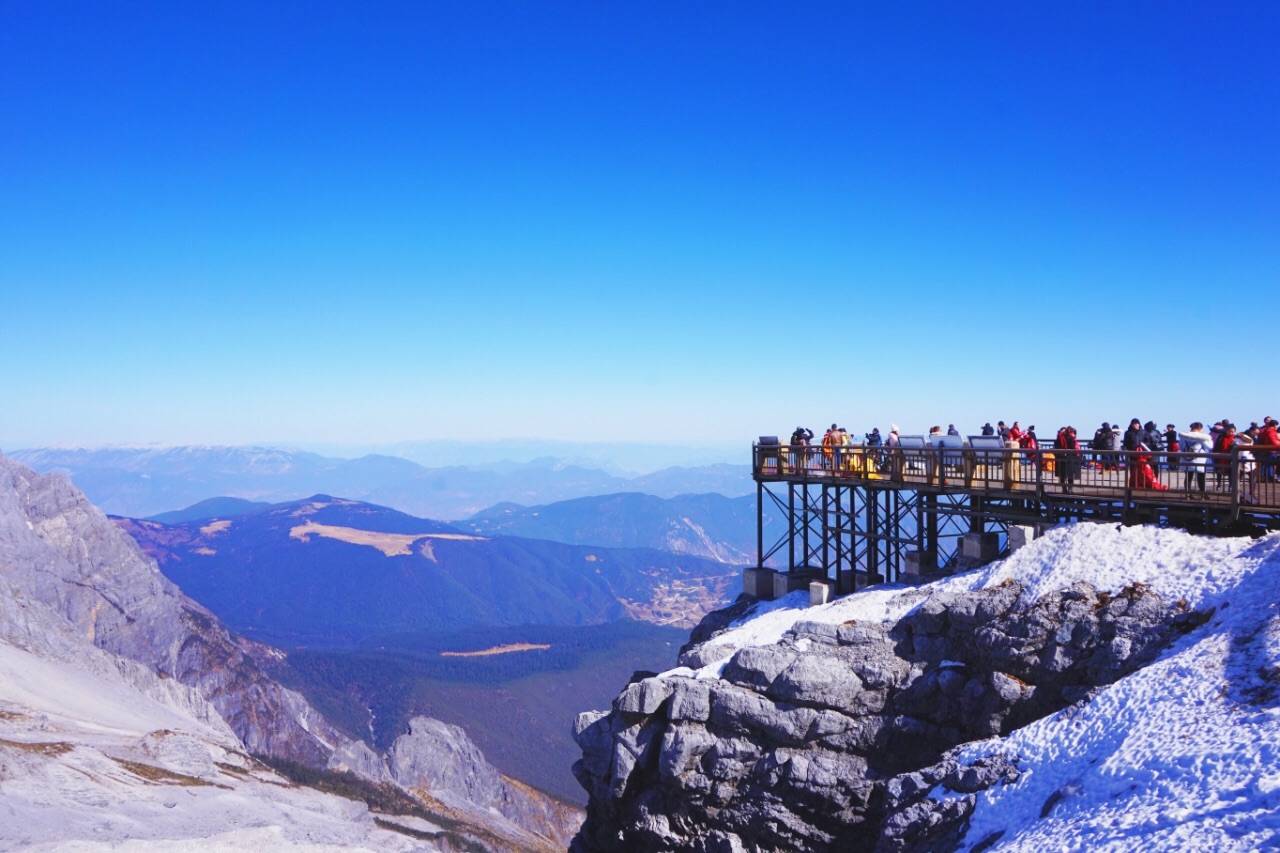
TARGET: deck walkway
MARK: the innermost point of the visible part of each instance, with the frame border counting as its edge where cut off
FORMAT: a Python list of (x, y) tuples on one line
[(855, 514), (1234, 485)]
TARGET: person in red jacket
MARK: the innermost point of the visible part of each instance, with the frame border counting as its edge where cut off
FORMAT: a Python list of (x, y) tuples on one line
[(1030, 445), (1141, 474), (1222, 444), (1268, 436)]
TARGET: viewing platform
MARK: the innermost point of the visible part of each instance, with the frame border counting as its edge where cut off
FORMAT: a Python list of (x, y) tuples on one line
[(855, 514)]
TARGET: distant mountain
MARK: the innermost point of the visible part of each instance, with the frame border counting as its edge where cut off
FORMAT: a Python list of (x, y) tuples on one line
[(144, 482), (623, 459), (328, 571), (724, 479), (711, 526), (221, 507)]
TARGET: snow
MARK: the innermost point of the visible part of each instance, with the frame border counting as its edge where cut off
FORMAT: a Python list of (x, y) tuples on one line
[(1175, 564), (71, 741), (1181, 755)]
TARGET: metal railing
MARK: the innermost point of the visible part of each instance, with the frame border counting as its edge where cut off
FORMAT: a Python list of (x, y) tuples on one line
[(1243, 479)]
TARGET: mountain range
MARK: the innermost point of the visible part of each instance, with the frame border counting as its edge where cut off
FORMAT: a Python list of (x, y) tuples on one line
[(331, 571), (706, 525), (142, 482), (129, 712), (385, 616)]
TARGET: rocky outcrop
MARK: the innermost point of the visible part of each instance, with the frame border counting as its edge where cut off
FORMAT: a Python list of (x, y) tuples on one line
[(837, 737), (443, 761), (62, 551), (65, 553)]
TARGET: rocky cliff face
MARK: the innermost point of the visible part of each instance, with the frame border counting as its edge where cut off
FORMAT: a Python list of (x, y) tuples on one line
[(833, 738), (61, 555), (64, 552)]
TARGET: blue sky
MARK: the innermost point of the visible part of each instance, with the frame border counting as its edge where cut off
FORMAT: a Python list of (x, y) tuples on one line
[(363, 223)]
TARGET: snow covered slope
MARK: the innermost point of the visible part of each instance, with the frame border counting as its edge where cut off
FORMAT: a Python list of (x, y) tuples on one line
[(97, 752), (1179, 753)]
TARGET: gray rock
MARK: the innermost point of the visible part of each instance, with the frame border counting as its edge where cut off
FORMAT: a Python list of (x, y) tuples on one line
[(757, 667), (824, 745), (690, 700), (643, 697)]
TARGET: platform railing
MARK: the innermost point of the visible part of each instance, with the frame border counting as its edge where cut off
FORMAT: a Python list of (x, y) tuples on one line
[(1242, 479)]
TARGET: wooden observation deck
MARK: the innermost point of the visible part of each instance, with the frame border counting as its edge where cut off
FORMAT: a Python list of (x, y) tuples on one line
[(853, 515)]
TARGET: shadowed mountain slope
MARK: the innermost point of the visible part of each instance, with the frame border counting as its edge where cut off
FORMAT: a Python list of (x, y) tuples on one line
[(330, 572)]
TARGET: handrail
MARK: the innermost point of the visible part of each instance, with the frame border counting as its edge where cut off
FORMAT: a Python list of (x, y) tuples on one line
[(1242, 479)]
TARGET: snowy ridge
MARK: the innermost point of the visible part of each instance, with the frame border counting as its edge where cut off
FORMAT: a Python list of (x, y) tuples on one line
[(1172, 563), (90, 763), (1180, 755)]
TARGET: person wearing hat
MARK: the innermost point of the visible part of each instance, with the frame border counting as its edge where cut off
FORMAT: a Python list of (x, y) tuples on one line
[(1133, 435)]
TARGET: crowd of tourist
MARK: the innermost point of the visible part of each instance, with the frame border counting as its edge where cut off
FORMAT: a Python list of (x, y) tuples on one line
[(1140, 450)]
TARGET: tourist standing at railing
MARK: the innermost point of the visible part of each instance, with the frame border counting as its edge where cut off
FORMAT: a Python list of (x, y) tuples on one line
[(1066, 457), (800, 448), (1015, 432), (842, 441), (1215, 432), (1030, 444), (1197, 443), (1225, 440), (1152, 438), (1104, 440), (951, 430), (1133, 435), (1247, 466), (829, 439), (1171, 445), (1268, 436), (1002, 431), (988, 429)]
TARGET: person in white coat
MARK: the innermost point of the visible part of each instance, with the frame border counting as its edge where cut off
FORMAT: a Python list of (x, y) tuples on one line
[(1247, 465), (1199, 443)]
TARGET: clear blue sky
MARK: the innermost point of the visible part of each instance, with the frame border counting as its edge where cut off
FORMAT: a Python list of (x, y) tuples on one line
[(369, 222)]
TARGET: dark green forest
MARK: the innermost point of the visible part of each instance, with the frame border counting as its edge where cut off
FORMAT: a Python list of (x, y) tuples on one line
[(518, 707)]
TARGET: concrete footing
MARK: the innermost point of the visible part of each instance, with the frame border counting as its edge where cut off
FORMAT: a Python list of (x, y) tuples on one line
[(820, 592), (1020, 535), (758, 583), (787, 582), (984, 547), (768, 584), (920, 563)]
